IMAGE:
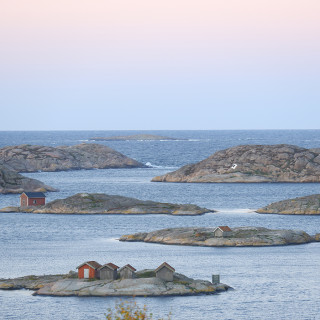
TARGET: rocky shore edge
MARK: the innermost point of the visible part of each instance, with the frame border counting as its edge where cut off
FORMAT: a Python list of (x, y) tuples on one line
[(146, 284)]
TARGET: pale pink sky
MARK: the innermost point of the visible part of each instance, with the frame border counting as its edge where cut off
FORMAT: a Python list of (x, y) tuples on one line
[(111, 44)]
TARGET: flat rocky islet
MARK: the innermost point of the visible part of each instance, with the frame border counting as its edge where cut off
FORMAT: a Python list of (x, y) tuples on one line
[(146, 284), (100, 203), (135, 137), (240, 237), (308, 205), (13, 182), (33, 158), (252, 164)]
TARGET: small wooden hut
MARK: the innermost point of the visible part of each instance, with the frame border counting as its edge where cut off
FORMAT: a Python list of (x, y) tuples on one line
[(222, 231), (108, 271), (28, 199), (165, 272), (127, 272)]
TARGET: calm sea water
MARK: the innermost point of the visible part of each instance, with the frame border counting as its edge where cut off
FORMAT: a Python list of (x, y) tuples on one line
[(269, 283)]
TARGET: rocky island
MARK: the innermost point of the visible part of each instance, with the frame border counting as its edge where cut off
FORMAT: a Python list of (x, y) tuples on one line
[(100, 203), (145, 284), (135, 137), (33, 158), (208, 237), (252, 163), (13, 182), (308, 205)]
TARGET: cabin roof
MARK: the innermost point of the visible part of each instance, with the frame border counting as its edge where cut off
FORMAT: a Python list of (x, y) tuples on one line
[(34, 194), (223, 228), (128, 266), (92, 264), (165, 265), (110, 266)]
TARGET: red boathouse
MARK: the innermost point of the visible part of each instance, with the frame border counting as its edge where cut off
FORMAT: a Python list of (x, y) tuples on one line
[(89, 270), (32, 199)]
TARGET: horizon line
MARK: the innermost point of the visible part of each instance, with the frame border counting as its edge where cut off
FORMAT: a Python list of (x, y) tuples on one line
[(47, 130)]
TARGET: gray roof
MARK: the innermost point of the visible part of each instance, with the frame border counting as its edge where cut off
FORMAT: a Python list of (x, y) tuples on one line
[(34, 194), (128, 266), (165, 265), (110, 266)]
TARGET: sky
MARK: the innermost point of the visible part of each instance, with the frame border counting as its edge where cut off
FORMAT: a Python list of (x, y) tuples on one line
[(153, 65)]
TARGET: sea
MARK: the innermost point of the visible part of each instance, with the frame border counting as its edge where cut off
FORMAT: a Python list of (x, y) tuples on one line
[(280, 282)]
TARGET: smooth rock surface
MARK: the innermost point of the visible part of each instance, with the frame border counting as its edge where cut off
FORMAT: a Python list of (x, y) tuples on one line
[(252, 163), (13, 182), (32, 158), (135, 137), (309, 205), (240, 237), (100, 203)]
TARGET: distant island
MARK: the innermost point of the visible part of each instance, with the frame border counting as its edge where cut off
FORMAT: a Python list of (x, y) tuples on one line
[(308, 205), (100, 203), (13, 182), (214, 237), (33, 158), (252, 164), (136, 137)]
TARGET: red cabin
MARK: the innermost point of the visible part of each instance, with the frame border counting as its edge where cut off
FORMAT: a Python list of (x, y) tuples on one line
[(89, 270), (32, 199)]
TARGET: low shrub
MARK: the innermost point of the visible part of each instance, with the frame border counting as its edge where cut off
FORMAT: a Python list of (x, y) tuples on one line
[(129, 310)]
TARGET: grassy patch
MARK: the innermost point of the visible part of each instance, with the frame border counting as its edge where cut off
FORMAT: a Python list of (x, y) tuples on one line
[(183, 282), (147, 274)]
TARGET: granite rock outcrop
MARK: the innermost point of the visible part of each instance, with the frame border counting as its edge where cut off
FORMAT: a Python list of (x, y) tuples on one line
[(33, 158), (252, 163), (13, 182), (308, 205)]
